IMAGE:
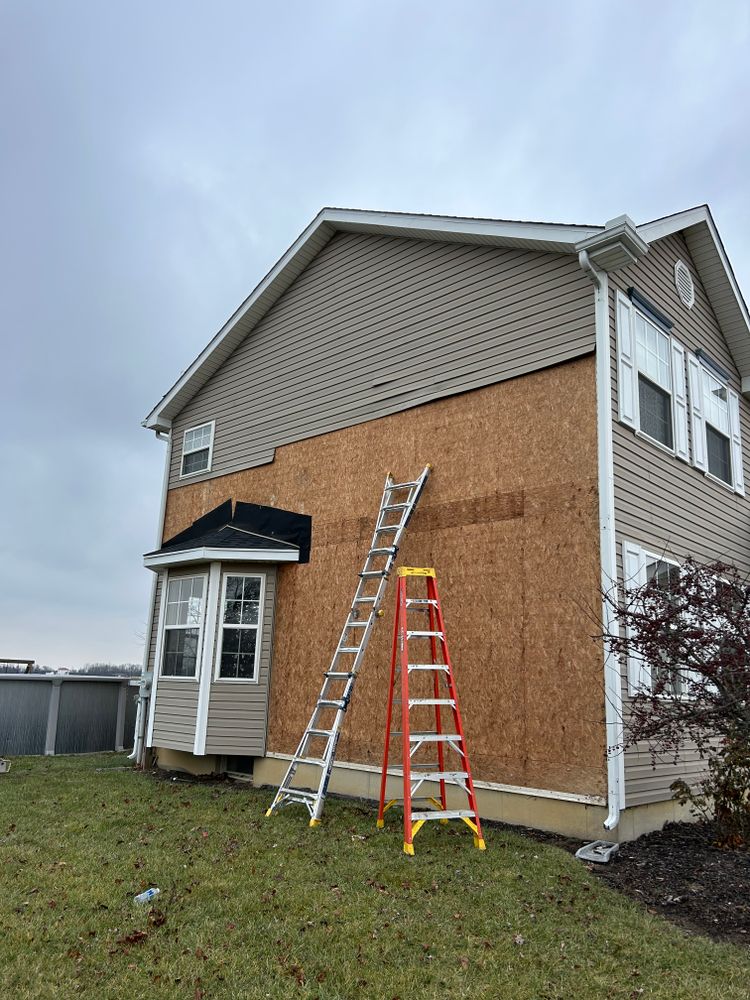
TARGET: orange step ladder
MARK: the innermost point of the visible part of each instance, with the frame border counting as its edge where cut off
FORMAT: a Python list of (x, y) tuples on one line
[(434, 681)]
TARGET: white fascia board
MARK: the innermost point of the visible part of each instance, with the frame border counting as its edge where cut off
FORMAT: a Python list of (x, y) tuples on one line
[(562, 237), (442, 226), (157, 561), (670, 224)]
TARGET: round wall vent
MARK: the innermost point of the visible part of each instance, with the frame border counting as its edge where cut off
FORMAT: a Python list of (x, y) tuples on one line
[(683, 279)]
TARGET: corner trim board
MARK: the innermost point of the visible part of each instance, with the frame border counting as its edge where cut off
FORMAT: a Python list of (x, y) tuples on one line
[(207, 652)]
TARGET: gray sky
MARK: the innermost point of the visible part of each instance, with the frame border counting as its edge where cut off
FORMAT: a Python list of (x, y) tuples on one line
[(157, 158)]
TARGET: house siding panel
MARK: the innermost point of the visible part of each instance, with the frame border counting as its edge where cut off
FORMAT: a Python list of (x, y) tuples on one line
[(238, 712), (379, 324), (666, 505)]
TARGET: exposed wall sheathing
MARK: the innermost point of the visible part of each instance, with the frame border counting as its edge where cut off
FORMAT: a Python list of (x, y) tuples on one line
[(510, 521)]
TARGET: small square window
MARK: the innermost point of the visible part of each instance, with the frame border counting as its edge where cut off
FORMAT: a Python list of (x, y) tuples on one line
[(197, 448)]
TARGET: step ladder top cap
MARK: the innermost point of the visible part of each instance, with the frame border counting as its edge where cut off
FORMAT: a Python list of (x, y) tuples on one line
[(416, 571)]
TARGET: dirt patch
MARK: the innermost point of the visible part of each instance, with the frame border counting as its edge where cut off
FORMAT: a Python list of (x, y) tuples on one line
[(678, 873)]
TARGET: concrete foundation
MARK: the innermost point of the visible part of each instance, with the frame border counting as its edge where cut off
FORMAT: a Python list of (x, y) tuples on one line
[(580, 817)]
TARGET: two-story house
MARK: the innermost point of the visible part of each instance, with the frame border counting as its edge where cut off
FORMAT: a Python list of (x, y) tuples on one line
[(578, 391)]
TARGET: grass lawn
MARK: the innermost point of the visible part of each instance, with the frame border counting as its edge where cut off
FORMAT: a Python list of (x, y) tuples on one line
[(255, 907)]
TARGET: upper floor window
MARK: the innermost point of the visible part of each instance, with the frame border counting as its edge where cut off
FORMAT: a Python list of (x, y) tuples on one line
[(182, 626), (654, 381), (651, 379), (197, 449), (715, 415)]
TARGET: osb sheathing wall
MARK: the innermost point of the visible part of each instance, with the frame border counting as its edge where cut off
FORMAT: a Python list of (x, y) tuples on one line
[(510, 521)]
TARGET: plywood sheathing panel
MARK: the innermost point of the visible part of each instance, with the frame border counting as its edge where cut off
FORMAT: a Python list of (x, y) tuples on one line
[(510, 521)]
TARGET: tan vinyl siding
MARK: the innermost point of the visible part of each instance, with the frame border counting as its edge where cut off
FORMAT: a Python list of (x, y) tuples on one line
[(154, 633), (238, 711), (176, 698), (378, 324), (661, 503)]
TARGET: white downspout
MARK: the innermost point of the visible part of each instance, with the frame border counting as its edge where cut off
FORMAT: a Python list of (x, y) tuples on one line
[(141, 715), (608, 554)]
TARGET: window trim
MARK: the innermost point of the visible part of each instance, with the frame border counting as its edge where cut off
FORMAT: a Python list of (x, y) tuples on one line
[(183, 453), (201, 628), (629, 373), (699, 420), (218, 679), (639, 677)]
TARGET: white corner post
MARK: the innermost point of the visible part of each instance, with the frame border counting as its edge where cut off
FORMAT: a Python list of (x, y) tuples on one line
[(608, 553), (207, 658), (122, 701), (144, 722)]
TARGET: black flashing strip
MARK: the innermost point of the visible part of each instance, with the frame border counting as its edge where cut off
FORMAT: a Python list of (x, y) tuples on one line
[(215, 518), (648, 307), (712, 365)]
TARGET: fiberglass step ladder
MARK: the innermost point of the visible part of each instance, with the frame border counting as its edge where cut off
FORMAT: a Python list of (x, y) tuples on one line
[(318, 744), (441, 693)]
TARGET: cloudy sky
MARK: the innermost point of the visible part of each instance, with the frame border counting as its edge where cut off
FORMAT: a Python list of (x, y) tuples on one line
[(157, 158)]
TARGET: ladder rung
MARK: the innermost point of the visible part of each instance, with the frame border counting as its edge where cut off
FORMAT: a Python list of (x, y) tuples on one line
[(395, 506), (348, 649), (431, 701), (364, 600), (390, 550), (312, 760), (319, 732), (444, 814), (298, 794), (388, 527), (373, 572), (434, 738), (402, 486), (428, 666), (331, 703), (339, 673), (420, 600), (440, 775), (357, 624), (424, 635)]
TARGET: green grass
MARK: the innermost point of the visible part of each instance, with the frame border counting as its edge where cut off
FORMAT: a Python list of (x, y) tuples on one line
[(255, 907)]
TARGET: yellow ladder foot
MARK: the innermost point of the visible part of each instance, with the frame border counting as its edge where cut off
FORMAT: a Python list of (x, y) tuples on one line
[(408, 848), (315, 822), (380, 824), (479, 842)]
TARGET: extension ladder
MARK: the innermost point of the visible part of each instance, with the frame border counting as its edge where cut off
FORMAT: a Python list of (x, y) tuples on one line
[(440, 694), (319, 740)]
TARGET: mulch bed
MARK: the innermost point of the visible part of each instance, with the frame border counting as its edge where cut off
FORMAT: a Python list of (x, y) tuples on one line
[(678, 873)]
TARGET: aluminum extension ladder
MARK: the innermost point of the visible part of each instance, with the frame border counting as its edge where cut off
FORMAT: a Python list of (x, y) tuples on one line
[(429, 699), (319, 741)]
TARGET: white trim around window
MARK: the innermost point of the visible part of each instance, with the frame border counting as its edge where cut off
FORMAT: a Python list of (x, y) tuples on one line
[(635, 563), (245, 610), (651, 361), (190, 605), (715, 416), (197, 442)]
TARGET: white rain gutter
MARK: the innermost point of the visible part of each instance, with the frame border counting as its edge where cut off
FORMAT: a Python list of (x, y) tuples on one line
[(608, 554), (144, 689)]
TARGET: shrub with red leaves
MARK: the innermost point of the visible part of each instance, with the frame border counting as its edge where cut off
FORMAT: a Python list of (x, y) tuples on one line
[(690, 637)]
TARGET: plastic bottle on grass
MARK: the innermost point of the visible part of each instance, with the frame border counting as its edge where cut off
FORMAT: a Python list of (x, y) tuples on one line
[(147, 896)]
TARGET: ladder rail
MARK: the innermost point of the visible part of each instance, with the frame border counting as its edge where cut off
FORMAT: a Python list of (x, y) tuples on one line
[(353, 641)]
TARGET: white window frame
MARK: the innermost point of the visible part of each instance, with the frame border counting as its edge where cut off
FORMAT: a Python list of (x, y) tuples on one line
[(699, 373), (635, 560), (258, 628), (189, 430), (201, 628), (629, 371)]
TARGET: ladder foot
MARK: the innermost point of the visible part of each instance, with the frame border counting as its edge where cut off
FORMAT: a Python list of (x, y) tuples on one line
[(315, 822), (380, 824), (443, 822), (409, 849), (480, 844), (269, 812)]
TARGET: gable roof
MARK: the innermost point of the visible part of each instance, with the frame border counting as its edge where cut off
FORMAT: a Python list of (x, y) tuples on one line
[(697, 224)]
